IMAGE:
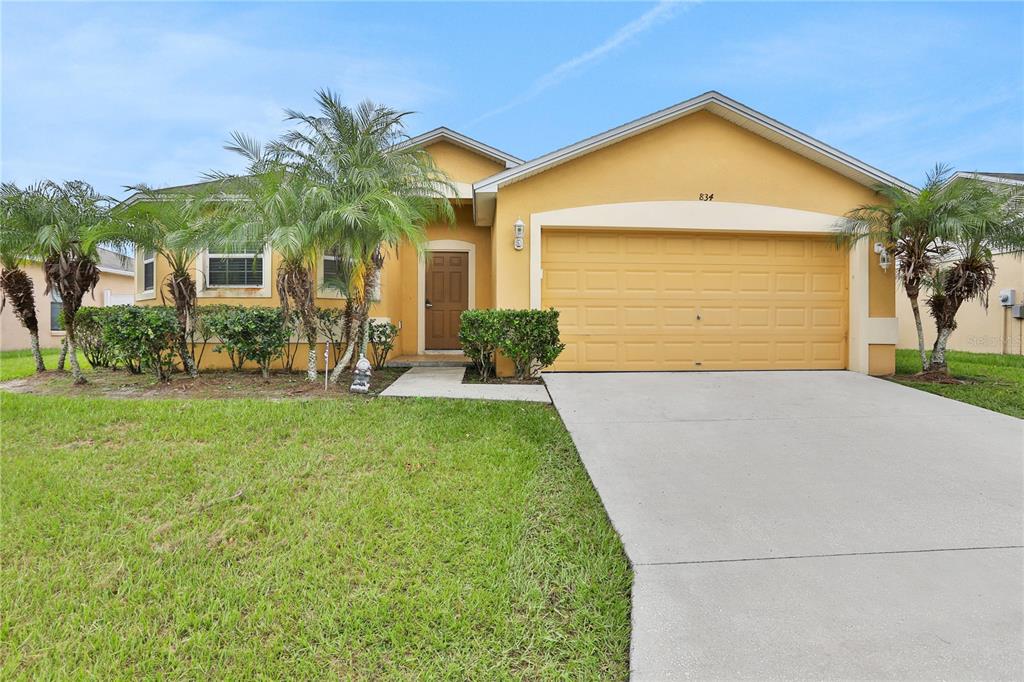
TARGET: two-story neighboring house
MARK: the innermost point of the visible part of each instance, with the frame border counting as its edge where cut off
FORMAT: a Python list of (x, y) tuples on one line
[(697, 237)]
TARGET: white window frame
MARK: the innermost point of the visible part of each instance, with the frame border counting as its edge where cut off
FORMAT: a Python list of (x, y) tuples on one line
[(204, 290), (148, 258), (248, 256)]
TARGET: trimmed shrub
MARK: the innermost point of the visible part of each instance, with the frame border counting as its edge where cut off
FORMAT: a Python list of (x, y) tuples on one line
[(89, 336), (480, 332), (210, 318), (254, 333), (529, 338), (141, 338), (382, 341)]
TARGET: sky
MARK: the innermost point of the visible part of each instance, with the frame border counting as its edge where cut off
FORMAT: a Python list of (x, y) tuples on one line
[(127, 93)]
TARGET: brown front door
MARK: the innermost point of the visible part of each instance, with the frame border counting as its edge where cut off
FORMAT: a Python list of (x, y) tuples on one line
[(447, 295)]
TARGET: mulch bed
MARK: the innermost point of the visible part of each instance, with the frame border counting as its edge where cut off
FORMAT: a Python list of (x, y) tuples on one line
[(933, 378), (210, 384), (472, 376)]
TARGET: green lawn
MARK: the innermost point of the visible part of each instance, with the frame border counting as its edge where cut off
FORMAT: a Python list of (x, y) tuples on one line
[(995, 382), (17, 364), (267, 539)]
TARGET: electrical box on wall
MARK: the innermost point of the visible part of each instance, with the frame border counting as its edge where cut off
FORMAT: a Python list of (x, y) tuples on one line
[(1008, 297), (1018, 311)]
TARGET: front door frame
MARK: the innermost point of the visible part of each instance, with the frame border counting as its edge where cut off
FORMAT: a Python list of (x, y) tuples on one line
[(457, 245)]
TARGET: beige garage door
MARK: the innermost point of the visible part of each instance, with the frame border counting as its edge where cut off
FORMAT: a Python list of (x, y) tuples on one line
[(685, 300)]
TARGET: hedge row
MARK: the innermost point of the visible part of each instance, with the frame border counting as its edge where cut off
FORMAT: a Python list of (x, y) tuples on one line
[(141, 338), (529, 338)]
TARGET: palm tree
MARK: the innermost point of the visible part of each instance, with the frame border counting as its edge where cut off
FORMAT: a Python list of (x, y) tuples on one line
[(175, 226), (992, 220), (284, 210), (913, 227), (386, 192), (21, 212), (67, 241)]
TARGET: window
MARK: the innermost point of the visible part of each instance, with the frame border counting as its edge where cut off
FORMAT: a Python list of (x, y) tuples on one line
[(235, 265), (148, 269), (330, 266), (55, 308)]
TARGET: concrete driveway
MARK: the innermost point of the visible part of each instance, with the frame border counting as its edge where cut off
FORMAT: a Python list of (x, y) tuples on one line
[(807, 524)]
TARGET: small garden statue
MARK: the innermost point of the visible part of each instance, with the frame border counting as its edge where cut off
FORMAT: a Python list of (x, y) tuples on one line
[(361, 376)]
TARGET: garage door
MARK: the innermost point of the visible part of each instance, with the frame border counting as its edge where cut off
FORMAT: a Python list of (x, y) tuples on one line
[(698, 301)]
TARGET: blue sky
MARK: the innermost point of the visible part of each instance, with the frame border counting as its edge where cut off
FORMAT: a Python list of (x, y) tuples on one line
[(125, 93)]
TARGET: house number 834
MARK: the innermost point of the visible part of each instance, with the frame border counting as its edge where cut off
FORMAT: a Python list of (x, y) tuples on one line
[(704, 196)]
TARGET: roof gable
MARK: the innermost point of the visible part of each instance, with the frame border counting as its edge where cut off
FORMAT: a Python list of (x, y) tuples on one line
[(458, 139), (717, 104)]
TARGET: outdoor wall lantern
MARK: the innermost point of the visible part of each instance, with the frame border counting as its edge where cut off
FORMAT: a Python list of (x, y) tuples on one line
[(883, 256), (518, 230)]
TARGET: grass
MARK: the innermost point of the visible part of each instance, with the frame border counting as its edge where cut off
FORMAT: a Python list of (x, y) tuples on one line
[(17, 364), (995, 382), (368, 539)]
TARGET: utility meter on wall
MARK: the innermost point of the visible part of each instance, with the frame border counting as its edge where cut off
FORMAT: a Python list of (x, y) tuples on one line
[(1008, 297)]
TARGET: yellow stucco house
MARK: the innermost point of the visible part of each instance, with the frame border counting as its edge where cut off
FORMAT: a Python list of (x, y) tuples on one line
[(695, 238)]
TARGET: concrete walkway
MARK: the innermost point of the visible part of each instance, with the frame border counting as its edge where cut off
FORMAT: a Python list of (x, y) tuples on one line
[(807, 525), (446, 382)]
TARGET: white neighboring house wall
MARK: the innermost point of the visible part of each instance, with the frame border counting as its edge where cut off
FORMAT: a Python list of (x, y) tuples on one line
[(978, 330)]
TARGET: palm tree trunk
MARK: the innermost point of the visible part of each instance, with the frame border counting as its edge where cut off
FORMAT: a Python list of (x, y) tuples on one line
[(186, 356), (920, 328), (938, 360), (36, 353), (17, 289), (371, 276), (76, 370), (183, 293), (63, 354), (353, 332), (348, 337), (311, 371)]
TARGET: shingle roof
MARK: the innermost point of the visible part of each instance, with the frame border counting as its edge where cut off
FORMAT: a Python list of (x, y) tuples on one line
[(112, 260), (1008, 176)]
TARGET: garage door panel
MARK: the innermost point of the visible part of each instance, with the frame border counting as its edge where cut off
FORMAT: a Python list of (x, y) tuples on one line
[(655, 300), (717, 317), (716, 282), (640, 282), (641, 319), (600, 281)]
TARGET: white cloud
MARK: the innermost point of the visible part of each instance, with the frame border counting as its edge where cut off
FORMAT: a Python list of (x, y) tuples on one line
[(149, 102), (660, 13)]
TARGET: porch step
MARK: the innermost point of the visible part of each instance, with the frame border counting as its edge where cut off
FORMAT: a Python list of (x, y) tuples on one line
[(432, 360)]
